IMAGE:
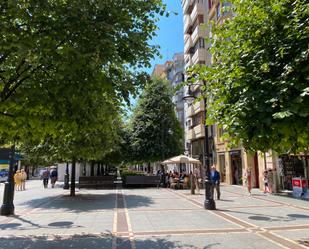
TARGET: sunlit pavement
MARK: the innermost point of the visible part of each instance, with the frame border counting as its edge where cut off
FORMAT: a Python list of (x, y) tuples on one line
[(152, 218)]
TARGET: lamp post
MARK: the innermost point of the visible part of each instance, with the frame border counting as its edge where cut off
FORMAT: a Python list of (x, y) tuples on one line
[(209, 202), (7, 207)]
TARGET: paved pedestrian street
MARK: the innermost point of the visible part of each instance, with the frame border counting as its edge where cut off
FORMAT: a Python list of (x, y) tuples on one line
[(152, 218)]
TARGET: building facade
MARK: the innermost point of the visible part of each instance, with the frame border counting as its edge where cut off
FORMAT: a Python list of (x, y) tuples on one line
[(231, 162), (196, 52)]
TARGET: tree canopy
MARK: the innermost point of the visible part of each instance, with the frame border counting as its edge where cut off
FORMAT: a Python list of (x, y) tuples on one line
[(258, 84), (155, 133), (57, 58)]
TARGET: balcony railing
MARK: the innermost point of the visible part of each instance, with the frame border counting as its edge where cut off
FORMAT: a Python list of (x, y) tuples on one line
[(197, 10), (188, 43), (196, 132), (185, 5), (199, 31), (199, 55), (187, 23)]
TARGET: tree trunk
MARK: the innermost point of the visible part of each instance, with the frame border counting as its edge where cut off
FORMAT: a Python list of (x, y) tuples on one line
[(27, 172), (72, 192), (148, 169), (102, 169), (98, 169), (32, 171), (92, 168)]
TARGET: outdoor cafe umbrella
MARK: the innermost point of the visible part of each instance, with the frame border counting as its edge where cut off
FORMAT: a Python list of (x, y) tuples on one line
[(181, 159)]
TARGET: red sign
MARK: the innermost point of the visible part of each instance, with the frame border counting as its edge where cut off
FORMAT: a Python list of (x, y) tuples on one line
[(300, 183)]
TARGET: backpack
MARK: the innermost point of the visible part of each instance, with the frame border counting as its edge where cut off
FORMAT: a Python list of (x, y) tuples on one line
[(54, 173)]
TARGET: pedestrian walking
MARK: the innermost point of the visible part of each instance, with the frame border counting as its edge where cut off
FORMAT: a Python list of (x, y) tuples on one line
[(196, 178), (270, 176), (215, 182), (17, 180), (45, 177), (23, 177), (265, 180), (53, 177), (248, 180)]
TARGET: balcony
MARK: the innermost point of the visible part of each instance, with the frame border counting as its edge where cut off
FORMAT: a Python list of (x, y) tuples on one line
[(195, 108), (188, 43), (185, 5), (188, 61), (196, 132), (197, 10), (199, 31), (186, 23), (198, 106), (199, 55)]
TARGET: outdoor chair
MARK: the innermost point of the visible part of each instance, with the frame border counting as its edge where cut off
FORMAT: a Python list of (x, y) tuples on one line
[(173, 183), (186, 183)]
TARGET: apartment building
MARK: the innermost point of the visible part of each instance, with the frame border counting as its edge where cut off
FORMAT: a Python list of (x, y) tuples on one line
[(231, 162), (195, 52)]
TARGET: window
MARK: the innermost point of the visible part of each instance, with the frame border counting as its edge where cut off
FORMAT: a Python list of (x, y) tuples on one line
[(188, 123)]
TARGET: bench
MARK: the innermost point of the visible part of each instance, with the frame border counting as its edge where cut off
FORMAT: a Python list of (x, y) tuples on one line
[(142, 180), (96, 182)]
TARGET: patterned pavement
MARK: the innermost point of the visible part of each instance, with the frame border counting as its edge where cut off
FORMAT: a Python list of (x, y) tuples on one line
[(152, 219)]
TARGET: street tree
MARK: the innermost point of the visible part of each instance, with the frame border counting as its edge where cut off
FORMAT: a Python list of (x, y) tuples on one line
[(54, 50), (42, 39), (155, 133), (258, 84)]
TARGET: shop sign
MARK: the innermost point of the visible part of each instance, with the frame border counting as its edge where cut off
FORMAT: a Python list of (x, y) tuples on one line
[(300, 186)]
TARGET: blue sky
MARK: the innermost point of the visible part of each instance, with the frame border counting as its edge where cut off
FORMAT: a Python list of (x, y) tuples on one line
[(169, 36), (170, 33)]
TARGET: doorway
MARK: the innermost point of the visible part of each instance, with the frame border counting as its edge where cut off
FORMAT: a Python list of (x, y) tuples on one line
[(222, 167), (236, 167)]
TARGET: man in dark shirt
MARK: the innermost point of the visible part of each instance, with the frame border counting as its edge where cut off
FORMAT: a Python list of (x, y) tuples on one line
[(215, 182)]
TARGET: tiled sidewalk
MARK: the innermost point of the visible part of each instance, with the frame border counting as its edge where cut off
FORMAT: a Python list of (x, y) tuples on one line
[(152, 218)]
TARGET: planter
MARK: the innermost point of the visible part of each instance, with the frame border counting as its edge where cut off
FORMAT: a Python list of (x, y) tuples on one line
[(141, 181)]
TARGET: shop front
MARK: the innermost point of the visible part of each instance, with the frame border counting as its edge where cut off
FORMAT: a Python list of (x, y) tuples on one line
[(236, 164), (291, 167)]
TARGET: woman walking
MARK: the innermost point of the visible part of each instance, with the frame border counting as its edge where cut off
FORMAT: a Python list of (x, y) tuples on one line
[(270, 176), (17, 180), (23, 177), (265, 180), (247, 178)]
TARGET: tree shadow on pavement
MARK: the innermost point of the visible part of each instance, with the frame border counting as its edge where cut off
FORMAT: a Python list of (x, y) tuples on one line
[(87, 202), (270, 218), (92, 241)]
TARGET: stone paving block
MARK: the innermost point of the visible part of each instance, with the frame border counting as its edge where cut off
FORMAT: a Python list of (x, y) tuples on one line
[(296, 235), (272, 216), (173, 220), (213, 241), (40, 242)]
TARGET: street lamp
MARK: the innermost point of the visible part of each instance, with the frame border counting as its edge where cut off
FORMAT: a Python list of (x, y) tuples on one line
[(7, 207), (209, 201)]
